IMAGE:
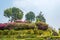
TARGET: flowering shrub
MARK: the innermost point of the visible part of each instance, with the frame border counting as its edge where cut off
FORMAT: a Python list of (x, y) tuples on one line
[(24, 26), (10, 26), (19, 26), (2, 26), (42, 25)]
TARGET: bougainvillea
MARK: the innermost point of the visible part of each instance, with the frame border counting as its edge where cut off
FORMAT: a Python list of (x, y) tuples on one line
[(2, 26)]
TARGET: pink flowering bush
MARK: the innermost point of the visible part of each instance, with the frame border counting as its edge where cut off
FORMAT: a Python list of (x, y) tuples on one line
[(10, 25), (2, 26), (20, 26)]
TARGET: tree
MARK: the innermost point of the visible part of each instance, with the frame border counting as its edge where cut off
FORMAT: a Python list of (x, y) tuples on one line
[(40, 17), (30, 16), (13, 13), (8, 12)]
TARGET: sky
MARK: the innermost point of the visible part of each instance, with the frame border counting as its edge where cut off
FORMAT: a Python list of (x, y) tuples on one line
[(50, 9)]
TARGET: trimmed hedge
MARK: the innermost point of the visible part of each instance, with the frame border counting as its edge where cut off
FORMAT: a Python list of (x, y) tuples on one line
[(24, 26), (20, 26), (2, 26), (42, 25), (10, 26)]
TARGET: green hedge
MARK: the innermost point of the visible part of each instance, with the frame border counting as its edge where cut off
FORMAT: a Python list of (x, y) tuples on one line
[(24, 26), (21, 34), (20, 26)]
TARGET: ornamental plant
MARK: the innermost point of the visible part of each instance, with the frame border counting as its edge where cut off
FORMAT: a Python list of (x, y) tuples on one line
[(42, 25), (2, 26)]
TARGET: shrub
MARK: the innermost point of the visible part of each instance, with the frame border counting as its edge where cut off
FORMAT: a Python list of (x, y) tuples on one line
[(19, 26), (28, 21), (10, 26), (54, 33), (2, 26), (12, 32), (1, 32), (5, 32), (31, 26), (42, 25)]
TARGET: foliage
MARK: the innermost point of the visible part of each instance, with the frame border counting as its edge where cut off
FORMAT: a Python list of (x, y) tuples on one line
[(30, 16), (10, 26), (54, 33), (26, 34), (40, 17), (2, 26), (42, 25), (23, 32), (13, 13), (8, 12), (20, 26), (17, 13), (5, 32), (28, 21)]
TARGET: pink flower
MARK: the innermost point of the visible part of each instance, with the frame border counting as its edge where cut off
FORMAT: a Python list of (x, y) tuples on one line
[(3, 25)]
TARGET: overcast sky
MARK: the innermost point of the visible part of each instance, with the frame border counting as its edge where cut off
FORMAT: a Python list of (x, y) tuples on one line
[(50, 9)]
